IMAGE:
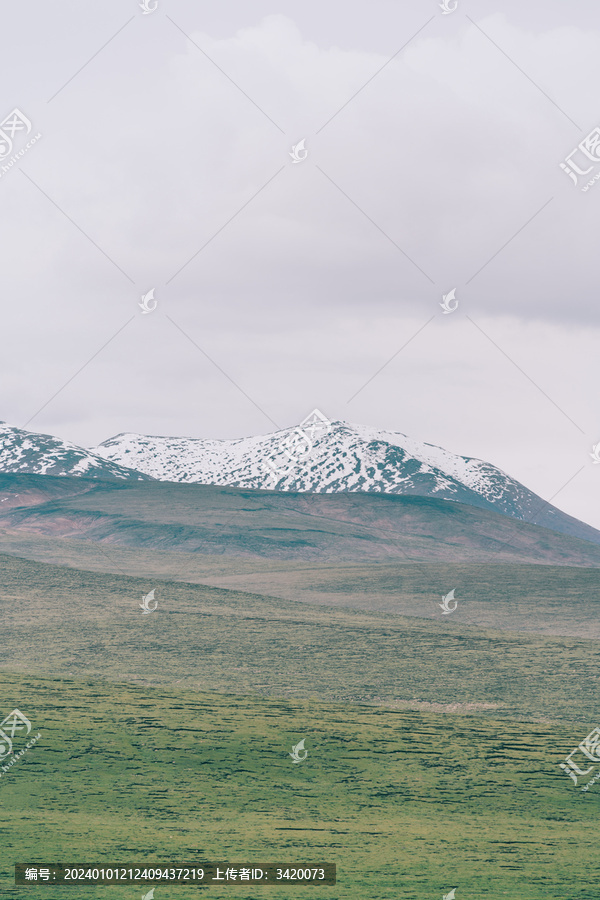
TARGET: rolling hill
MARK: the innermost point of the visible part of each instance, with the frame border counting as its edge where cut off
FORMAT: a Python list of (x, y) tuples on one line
[(284, 526)]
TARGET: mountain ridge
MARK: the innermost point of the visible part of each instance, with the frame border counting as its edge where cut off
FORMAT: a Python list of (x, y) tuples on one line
[(339, 457), (30, 453), (321, 457)]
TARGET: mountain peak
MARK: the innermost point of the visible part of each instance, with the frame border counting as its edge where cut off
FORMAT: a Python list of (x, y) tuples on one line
[(29, 453), (322, 457), (317, 456)]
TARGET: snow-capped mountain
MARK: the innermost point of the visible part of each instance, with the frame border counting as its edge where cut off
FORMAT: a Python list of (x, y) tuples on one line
[(341, 457), (319, 457), (28, 453)]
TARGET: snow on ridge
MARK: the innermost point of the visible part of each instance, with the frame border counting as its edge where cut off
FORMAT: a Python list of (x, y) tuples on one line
[(465, 468), (347, 458), (343, 459), (43, 454)]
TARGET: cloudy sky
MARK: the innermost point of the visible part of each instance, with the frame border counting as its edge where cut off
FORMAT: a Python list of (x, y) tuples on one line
[(432, 147)]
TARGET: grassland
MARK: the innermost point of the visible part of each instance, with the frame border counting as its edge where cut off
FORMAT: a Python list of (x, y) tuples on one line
[(544, 599), (407, 804), (60, 621), (434, 742)]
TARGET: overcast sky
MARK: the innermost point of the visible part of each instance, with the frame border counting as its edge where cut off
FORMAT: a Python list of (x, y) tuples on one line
[(434, 147)]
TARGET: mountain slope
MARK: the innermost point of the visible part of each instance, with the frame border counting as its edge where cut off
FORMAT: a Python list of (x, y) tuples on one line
[(345, 458), (232, 523), (26, 452)]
